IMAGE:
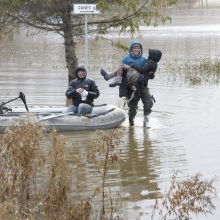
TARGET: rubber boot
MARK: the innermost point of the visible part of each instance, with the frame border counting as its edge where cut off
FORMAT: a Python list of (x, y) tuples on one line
[(116, 82), (146, 121), (106, 75)]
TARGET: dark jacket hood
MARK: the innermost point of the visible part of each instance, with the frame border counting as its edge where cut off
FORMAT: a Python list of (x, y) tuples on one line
[(155, 55), (78, 69), (135, 42)]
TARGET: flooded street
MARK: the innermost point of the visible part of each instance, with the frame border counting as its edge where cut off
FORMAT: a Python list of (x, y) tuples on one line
[(184, 134)]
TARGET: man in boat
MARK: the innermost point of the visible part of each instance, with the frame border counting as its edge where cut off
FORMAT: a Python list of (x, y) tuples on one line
[(82, 91)]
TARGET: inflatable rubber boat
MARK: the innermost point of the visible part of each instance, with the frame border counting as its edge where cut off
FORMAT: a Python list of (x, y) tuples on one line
[(102, 117)]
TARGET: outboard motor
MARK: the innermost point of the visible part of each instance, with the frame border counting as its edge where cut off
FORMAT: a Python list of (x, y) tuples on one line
[(4, 110)]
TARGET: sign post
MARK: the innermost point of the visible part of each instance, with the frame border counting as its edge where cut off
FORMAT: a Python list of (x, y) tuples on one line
[(85, 9)]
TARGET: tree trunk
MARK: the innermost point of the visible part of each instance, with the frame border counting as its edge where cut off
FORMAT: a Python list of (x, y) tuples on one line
[(69, 44)]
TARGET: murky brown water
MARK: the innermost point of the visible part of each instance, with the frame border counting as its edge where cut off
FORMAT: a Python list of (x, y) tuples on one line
[(184, 134)]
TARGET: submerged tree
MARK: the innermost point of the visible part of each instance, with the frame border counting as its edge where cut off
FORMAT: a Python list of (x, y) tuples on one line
[(57, 16)]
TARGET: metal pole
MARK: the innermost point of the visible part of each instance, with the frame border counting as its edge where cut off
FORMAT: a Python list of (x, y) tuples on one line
[(86, 42)]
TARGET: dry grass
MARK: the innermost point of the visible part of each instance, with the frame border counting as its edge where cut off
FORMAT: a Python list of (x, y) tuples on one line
[(19, 158), (20, 161), (22, 158), (185, 198), (104, 155), (198, 72), (23, 196)]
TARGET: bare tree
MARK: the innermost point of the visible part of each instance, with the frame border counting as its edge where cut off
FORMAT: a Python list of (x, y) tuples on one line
[(57, 16)]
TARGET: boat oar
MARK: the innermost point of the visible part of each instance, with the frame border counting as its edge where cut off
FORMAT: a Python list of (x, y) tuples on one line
[(21, 96), (55, 116)]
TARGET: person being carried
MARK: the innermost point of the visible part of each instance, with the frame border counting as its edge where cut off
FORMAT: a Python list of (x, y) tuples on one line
[(82, 91), (134, 57), (147, 71), (134, 73)]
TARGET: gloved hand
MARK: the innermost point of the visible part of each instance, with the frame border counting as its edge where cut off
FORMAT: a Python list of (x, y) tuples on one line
[(84, 95)]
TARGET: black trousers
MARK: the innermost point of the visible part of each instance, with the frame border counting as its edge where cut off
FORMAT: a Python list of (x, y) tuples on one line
[(147, 100)]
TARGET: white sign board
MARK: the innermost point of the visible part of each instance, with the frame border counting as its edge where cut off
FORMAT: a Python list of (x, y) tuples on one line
[(85, 9)]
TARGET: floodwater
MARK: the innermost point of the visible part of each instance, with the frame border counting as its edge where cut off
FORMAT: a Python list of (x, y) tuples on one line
[(184, 134)]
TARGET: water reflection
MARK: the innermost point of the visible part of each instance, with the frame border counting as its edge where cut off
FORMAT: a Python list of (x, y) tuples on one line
[(138, 176)]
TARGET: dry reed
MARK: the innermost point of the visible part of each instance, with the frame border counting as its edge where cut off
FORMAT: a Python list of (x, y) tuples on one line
[(192, 196), (23, 197), (20, 160), (195, 72), (103, 153)]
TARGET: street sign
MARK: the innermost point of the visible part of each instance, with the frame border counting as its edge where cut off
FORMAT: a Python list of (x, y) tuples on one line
[(85, 9)]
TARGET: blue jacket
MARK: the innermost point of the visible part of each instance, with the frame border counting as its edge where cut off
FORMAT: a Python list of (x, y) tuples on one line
[(135, 60), (130, 59)]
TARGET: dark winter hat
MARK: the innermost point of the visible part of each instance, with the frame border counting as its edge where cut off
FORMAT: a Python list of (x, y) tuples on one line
[(80, 67), (155, 55)]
